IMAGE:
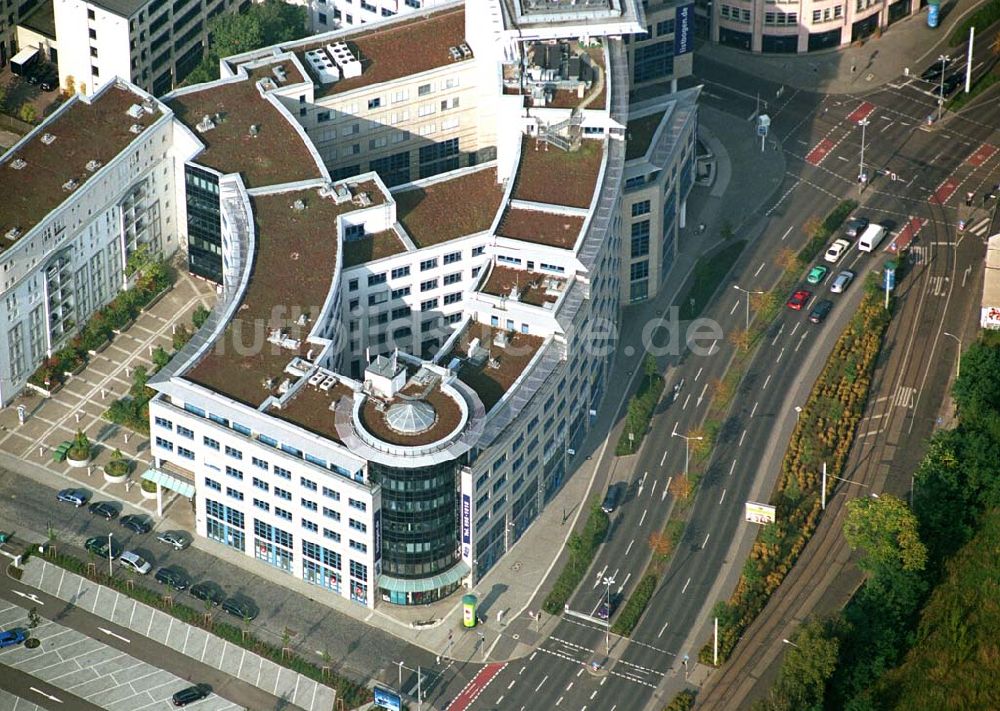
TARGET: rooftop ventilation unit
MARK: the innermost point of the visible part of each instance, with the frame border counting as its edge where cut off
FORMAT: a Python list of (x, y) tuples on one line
[(13, 233), (279, 73), (135, 128), (206, 124), (298, 206), (135, 111), (93, 165), (456, 53), (323, 64), (48, 139), (466, 50), (266, 84), (70, 184), (254, 130), (362, 199), (345, 59), (18, 163), (148, 105)]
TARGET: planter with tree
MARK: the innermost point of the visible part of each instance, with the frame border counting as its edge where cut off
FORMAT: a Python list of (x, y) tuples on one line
[(148, 489), (80, 451), (117, 469)]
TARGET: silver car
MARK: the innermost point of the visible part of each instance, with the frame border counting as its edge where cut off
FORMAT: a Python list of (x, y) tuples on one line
[(175, 539), (842, 281)]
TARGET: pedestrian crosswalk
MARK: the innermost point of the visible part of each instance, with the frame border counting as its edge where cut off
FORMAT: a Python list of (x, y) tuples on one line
[(980, 228)]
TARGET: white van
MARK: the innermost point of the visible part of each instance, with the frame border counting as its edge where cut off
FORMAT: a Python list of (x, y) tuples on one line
[(871, 238)]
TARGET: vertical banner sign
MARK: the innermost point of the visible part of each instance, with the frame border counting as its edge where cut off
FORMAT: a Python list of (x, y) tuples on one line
[(377, 522), (933, 12), (684, 30), (466, 524)]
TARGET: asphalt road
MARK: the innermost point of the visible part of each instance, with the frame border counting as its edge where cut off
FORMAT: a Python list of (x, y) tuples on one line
[(40, 692), (756, 432)]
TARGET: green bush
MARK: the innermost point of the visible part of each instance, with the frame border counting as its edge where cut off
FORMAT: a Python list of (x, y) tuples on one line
[(981, 18), (582, 548), (199, 316), (636, 605), (640, 412), (684, 701)]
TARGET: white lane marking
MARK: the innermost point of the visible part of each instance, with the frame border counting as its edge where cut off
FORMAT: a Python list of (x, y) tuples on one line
[(544, 679), (778, 359), (29, 596), (662, 630), (731, 467), (698, 374), (735, 306), (559, 700), (741, 438), (643, 517), (787, 232), (778, 334), (702, 396), (761, 267), (652, 489), (600, 575), (723, 497), (511, 684), (109, 632), (593, 695), (766, 381), (628, 550), (533, 655), (705, 542), (663, 458), (684, 589), (795, 329), (624, 583), (50, 697), (666, 488), (801, 340), (684, 406), (570, 685), (754, 410)]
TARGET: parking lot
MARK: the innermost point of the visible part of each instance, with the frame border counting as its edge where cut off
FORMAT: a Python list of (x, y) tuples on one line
[(91, 670)]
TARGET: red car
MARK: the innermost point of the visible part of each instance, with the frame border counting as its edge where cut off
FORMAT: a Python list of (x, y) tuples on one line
[(799, 299)]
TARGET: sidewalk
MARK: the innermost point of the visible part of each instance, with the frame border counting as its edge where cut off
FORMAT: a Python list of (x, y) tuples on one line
[(858, 67)]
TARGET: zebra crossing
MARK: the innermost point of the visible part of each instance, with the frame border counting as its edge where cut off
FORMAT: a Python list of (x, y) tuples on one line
[(980, 228)]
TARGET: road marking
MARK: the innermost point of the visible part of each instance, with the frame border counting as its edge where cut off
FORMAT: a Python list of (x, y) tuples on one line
[(570, 685), (500, 699), (512, 682), (754, 410), (593, 695), (965, 274), (904, 396), (705, 542), (684, 589), (627, 550), (559, 700), (766, 381), (778, 334), (735, 306), (696, 376), (600, 575), (29, 596), (778, 359), (521, 671), (723, 497), (842, 158), (787, 232), (759, 269), (603, 679), (532, 657), (652, 489), (50, 697), (741, 438), (643, 517), (795, 329), (663, 458), (109, 632), (684, 406), (662, 630), (624, 583), (544, 679), (666, 488)]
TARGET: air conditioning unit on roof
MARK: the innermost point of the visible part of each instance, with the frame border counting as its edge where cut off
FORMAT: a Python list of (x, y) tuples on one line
[(206, 124), (345, 59), (135, 128), (48, 139), (18, 163), (93, 165), (135, 111)]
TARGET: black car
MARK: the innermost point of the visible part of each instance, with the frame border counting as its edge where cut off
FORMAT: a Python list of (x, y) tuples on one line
[(935, 70), (191, 694), (951, 83), (207, 590), (240, 607), (136, 523), (173, 577), (105, 509), (820, 311), (855, 226), (98, 545)]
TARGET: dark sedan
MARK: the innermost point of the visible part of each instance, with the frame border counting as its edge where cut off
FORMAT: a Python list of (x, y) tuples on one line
[(136, 523), (207, 591), (104, 509)]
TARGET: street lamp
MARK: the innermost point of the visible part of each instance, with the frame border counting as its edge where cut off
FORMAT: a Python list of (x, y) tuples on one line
[(861, 165), (747, 292), (798, 411), (609, 581), (943, 58), (687, 447), (111, 570), (790, 642), (958, 359)]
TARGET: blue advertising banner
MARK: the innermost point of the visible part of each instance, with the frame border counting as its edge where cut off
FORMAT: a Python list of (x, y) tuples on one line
[(386, 699), (466, 519), (684, 30), (378, 535), (933, 13)]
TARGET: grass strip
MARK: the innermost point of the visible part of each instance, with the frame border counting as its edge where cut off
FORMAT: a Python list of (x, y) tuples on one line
[(709, 272), (582, 548)]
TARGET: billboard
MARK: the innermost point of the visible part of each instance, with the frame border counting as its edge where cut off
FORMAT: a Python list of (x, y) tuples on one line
[(385, 699), (466, 519), (684, 30), (377, 522), (990, 317), (758, 513)]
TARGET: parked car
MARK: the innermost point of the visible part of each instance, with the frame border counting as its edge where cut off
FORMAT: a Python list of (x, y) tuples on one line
[(12, 637), (820, 311), (136, 523), (104, 509), (240, 607), (836, 251), (817, 274), (173, 577), (176, 539), (799, 299), (77, 497), (98, 545), (134, 561), (206, 590), (842, 281), (855, 226), (191, 694)]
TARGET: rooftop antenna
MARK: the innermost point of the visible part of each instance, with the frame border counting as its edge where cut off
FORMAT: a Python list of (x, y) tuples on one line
[(395, 358)]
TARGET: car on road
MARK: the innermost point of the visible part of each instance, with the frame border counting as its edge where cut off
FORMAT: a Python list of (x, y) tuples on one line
[(136, 523), (934, 71), (104, 509), (176, 539), (77, 497), (240, 607), (191, 694), (13, 636), (799, 299), (173, 577), (817, 274), (208, 591), (855, 226), (951, 83), (820, 311), (842, 281), (134, 561), (98, 545), (616, 492), (836, 251), (605, 610)]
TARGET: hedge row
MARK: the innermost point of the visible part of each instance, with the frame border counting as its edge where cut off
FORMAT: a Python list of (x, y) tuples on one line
[(582, 548), (826, 229), (636, 605), (353, 694), (824, 432), (640, 412), (684, 701), (981, 18)]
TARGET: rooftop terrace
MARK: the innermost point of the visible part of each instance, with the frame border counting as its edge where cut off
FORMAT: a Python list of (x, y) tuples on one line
[(401, 49), (449, 209), (639, 134), (546, 228), (292, 273), (96, 129), (533, 288), (275, 154), (551, 175), (310, 409), (510, 360), (372, 247)]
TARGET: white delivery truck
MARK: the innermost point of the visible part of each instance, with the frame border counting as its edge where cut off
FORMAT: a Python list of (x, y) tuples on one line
[(871, 238)]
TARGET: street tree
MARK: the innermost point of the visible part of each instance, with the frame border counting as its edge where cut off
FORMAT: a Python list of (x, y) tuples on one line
[(650, 368), (740, 339), (680, 487), (787, 259), (885, 530), (809, 662), (660, 544)]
